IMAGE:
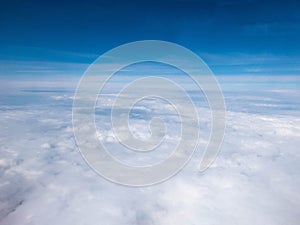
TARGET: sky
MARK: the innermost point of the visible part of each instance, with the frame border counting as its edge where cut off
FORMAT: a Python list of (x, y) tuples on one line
[(234, 37)]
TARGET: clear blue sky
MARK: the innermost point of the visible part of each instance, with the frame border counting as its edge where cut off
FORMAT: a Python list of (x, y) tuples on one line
[(233, 36)]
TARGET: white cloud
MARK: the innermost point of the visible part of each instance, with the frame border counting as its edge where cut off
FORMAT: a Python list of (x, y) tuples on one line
[(255, 179)]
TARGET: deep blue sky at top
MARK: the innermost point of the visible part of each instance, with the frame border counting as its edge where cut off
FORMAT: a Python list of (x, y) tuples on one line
[(233, 36)]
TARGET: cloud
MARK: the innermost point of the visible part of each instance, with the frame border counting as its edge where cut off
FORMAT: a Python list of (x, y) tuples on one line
[(265, 64), (15, 68), (255, 179)]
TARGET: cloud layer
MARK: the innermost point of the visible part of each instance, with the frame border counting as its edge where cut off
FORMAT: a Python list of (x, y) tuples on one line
[(255, 179)]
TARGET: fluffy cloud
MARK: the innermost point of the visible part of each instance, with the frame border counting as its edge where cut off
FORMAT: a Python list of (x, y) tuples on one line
[(255, 179)]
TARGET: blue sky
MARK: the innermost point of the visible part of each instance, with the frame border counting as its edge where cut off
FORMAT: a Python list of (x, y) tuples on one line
[(234, 37)]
